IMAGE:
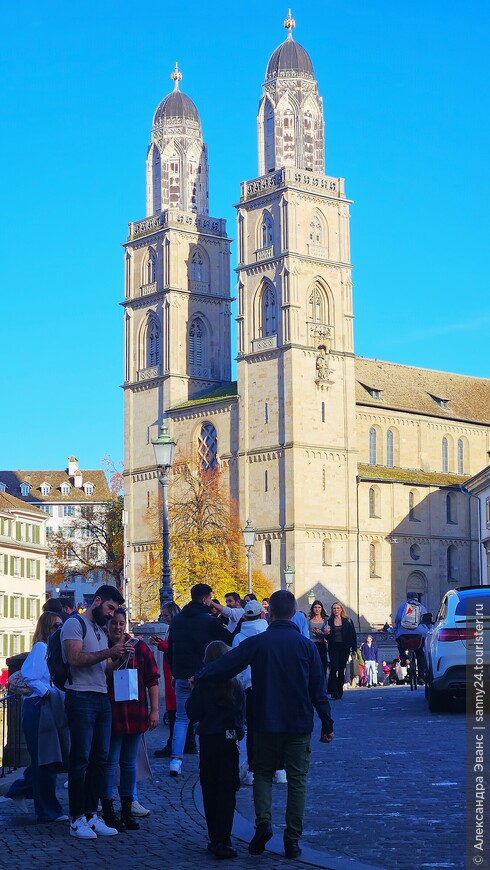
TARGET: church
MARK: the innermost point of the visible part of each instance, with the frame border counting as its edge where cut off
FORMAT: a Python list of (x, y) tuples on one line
[(351, 470)]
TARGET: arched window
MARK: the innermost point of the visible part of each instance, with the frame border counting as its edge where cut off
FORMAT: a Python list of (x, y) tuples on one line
[(326, 552), (372, 502), (415, 552), (450, 508), (412, 501), (151, 267), (389, 449), (316, 231), (153, 344), (269, 311), (157, 181), (308, 141), (373, 567), (288, 137), (316, 306), (266, 231), (451, 569), (196, 343), (269, 135), (372, 446), (207, 447), (445, 455), (197, 267), (460, 456), (267, 552)]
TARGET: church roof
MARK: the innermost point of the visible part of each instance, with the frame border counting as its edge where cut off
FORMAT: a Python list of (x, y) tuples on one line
[(225, 391), (409, 476), (422, 391), (290, 56), (176, 106)]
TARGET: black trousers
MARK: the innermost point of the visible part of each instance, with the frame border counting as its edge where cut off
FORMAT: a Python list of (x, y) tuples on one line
[(220, 781), (419, 655), (338, 659), (249, 712)]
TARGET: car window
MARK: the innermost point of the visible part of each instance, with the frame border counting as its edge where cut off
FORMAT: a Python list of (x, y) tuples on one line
[(469, 600), (442, 609)]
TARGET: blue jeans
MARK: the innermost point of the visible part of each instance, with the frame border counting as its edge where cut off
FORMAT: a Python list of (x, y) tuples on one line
[(123, 752), (89, 720), (182, 692), (43, 780), (371, 672)]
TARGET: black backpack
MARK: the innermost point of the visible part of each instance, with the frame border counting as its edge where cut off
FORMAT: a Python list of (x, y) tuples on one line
[(60, 670)]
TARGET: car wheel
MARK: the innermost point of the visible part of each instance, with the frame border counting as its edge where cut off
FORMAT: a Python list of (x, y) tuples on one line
[(437, 700)]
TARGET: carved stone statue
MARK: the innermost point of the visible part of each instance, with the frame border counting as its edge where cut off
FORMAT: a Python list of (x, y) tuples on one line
[(322, 364)]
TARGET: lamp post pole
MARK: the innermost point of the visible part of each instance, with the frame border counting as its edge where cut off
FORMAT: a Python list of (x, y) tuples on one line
[(164, 447), (248, 533), (289, 578)]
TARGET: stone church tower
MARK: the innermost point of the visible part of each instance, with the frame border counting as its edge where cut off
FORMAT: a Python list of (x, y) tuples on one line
[(295, 338), (177, 301)]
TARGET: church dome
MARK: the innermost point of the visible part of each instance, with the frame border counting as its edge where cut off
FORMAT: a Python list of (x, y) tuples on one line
[(176, 105), (290, 56)]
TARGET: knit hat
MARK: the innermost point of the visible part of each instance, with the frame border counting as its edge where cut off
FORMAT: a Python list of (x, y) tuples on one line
[(253, 608)]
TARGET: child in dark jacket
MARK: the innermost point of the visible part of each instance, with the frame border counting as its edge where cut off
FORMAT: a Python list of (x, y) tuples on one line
[(219, 709)]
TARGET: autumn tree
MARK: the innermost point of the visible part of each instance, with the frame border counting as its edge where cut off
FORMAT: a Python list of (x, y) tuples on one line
[(206, 542)]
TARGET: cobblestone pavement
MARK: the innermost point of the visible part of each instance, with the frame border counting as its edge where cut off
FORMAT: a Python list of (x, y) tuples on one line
[(388, 792)]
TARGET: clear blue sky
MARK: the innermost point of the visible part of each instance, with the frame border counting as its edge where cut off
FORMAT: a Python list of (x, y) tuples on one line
[(406, 96)]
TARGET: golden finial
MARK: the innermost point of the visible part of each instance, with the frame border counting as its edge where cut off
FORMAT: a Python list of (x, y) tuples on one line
[(289, 24), (176, 75)]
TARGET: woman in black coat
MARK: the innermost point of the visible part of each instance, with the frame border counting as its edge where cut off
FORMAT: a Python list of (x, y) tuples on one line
[(341, 640)]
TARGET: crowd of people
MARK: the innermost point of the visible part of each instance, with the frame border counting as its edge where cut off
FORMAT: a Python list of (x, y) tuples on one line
[(245, 667)]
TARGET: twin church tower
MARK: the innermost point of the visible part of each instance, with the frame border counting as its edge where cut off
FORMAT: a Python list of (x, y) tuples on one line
[(285, 434)]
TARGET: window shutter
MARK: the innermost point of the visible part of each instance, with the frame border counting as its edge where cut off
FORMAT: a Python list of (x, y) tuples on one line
[(28, 569), (11, 566), (22, 608), (22, 566), (11, 650), (11, 607), (5, 645), (6, 606), (38, 608), (5, 564), (38, 569), (18, 531), (35, 534), (22, 643)]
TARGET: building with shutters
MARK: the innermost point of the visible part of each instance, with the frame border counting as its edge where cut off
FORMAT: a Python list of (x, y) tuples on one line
[(352, 470), (23, 554)]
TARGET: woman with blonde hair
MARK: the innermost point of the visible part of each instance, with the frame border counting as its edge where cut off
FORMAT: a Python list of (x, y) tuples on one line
[(341, 641), (36, 675)]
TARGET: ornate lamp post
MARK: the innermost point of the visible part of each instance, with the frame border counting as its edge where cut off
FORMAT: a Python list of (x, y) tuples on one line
[(248, 533), (164, 447), (289, 578), (311, 597)]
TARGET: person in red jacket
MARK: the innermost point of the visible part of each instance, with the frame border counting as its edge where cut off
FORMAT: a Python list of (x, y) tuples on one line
[(130, 719)]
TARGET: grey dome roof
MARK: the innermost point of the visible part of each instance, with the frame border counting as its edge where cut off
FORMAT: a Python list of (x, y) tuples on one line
[(176, 105), (290, 56)]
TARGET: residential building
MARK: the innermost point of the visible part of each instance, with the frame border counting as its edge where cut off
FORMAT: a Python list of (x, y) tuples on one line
[(479, 488), (22, 573)]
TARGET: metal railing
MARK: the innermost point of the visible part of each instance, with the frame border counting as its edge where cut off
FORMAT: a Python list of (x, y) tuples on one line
[(10, 733)]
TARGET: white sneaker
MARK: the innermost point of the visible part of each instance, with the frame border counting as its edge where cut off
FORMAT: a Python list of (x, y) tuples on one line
[(175, 767), (248, 779), (138, 810), (80, 828), (100, 828), (280, 776), (65, 784)]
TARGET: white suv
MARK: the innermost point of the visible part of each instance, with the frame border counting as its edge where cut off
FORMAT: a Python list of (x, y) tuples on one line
[(450, 645)]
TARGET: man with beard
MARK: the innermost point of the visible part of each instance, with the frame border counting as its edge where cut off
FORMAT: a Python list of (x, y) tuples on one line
[(88, 709)]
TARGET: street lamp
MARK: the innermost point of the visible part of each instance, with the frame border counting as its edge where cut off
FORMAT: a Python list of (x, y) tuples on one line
[(289, 577), (164, 447), (248, 533), (311, 597)]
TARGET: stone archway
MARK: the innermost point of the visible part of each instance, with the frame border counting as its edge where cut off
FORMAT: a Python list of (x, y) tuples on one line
[(417, 587)]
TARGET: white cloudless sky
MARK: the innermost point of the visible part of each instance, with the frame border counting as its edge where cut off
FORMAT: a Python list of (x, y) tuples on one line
[(406, 96)]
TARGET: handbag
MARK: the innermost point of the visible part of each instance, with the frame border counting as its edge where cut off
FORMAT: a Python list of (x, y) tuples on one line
[(126, 683), (17, 685)]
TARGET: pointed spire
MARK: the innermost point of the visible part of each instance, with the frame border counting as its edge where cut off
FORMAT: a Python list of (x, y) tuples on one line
[(289, 24), (176, 75)]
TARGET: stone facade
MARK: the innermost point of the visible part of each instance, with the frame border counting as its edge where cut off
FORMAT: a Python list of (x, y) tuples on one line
[(350, 469)]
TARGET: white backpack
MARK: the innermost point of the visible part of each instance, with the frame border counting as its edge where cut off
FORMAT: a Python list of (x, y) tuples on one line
[(411, 616)]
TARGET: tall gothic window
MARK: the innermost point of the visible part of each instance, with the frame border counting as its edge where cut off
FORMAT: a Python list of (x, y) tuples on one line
[(373, 568), (316, 307), (445, 455), (460, 456), (267, 552), (288, 137), (207, 447), (450, 508), (153, 344), (372, 502), (269, 135), (196, 343), (308, 140), (151, 267), (372, 446), (269, 312), (411, 506), (157, 181), (389, 449), (451, 564), (267, 231), (197, 267)]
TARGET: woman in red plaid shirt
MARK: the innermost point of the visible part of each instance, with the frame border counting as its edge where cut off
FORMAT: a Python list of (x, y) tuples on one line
[(130, 719)]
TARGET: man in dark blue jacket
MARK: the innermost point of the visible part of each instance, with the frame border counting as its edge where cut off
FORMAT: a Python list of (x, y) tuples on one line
[(289, 683)]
